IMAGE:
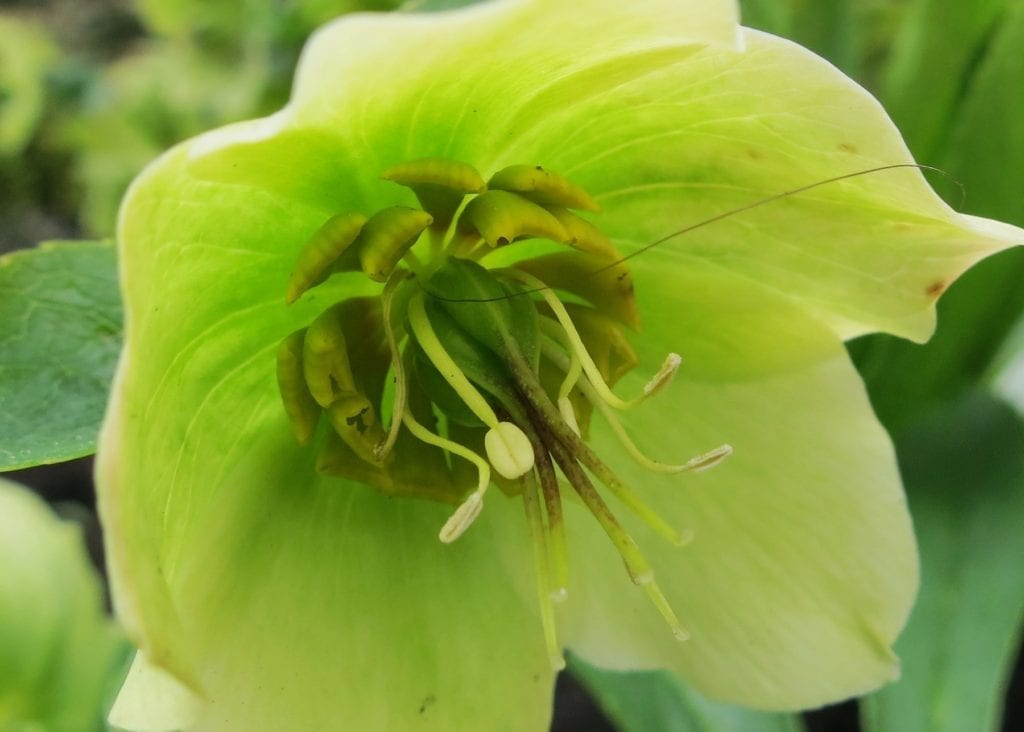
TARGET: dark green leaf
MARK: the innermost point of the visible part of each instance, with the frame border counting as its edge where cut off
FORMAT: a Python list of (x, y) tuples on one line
[(654, 701), (930, 64), (964, 471), (60, 333)]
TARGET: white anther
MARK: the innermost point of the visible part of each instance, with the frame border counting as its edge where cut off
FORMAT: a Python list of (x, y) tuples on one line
[(665, 374), (709, 459), (463, 517), (569, 414), (509, 450)]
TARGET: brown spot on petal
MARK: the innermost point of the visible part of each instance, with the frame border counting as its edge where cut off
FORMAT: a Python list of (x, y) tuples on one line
[(754, 154), (847, 147), (935, 289)]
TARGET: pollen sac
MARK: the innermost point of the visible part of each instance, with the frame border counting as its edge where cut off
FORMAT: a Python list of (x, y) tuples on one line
[(501, 218), (584, 236), (300, 406), (542, 186), (439, 185), (386, 237), (325, 361), (329, 250), (355, 421)]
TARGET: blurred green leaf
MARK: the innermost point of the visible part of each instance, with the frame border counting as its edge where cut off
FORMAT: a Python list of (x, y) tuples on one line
[(644, 701), (964, 471), (931, 61), (59, 653), (60, 333), (986, 149), (26, 55)]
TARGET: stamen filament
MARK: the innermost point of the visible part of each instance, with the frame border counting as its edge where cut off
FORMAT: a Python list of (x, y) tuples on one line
[(539, 542), (698, 463), (572, 376), (575, 341), (535, 395), (637, 566), (444, 363), (397, 364), (464, 515), (558, 554)]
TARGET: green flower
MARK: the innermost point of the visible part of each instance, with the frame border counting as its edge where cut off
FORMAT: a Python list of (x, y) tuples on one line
[(278, 596)]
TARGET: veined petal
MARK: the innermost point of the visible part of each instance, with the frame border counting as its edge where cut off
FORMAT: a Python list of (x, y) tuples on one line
[(665, 114), (264, 587), (803, 565)]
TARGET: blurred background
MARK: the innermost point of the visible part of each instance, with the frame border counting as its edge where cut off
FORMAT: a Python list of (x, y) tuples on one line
[(92, 90)]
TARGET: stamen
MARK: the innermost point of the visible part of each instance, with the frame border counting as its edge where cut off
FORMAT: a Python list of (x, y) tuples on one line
[(701, 462), (558, 554), (665, 374), (593, 373), (539, 543), (534, 393), (639, 568), (397, 365), (300, 406), (322, 254), (509, 450), (325, 361), (572, 376), (444, 363), (467, 512)]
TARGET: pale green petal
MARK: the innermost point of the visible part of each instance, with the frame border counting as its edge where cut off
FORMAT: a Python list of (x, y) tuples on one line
[(803, 567), (284, 600), (152, 700), (664, 114)]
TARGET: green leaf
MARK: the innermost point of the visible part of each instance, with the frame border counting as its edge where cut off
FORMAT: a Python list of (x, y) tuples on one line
[(59, 652), (26, 55), (656, 700), (60, 331), (964, 470), (930, 62)]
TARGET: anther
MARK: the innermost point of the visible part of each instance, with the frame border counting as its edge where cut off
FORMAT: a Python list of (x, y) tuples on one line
[(386, 237), (328, 250), (542, 186), (470, 508), (300, 406), (509, 450), (501, 218), (664, 376), (325, 361), (439, 185)]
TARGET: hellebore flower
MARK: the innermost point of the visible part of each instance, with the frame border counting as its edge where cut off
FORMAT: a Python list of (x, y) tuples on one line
[(282, 596)]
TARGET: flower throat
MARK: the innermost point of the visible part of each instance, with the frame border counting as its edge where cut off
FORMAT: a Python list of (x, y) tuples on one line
[(496, 372)]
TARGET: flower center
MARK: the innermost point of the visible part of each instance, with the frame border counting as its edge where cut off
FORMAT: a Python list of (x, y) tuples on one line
[(494, 375)]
